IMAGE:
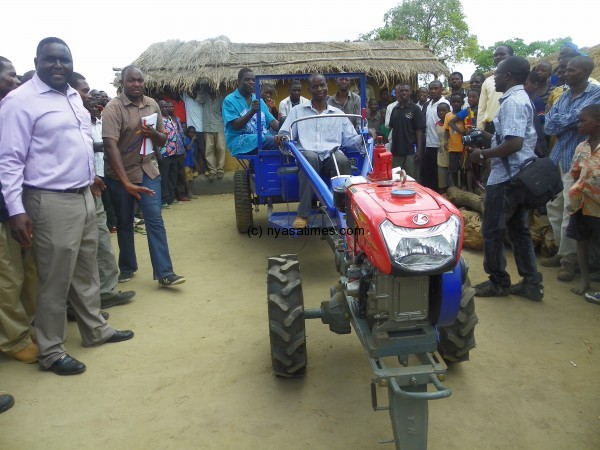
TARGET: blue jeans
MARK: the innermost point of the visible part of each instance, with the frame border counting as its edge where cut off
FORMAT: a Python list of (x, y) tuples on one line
[(150, 206), (503, 211)]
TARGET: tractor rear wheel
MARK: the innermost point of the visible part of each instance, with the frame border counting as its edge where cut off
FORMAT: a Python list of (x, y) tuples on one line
[(286, 316), (458, 339), (242, 200)]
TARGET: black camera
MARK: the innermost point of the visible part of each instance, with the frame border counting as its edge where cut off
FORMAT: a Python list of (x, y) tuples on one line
[(473, 139)]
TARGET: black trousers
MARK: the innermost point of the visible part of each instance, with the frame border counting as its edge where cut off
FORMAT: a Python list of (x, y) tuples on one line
[(504, 212), (429, 169)]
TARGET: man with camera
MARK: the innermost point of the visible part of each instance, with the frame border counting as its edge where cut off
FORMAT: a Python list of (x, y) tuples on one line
[(512, 143)]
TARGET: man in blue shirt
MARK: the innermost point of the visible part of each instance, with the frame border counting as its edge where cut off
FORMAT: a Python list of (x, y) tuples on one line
[(515, 140), (239, 114), (562, 121)]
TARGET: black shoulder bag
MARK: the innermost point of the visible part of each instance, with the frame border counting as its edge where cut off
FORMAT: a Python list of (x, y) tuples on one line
[(539, 178)]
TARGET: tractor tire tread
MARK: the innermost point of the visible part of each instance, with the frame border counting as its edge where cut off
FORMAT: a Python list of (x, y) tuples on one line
[(458, 339), (286, 316), (243, 201)]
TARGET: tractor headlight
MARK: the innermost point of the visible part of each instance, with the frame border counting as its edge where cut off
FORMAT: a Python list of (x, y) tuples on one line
[(422, 249)]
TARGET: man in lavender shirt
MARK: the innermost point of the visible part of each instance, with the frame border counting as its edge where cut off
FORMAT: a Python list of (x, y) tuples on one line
[(47, 171)]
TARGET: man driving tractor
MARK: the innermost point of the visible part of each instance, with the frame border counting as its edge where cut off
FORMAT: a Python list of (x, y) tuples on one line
[(319, 140)]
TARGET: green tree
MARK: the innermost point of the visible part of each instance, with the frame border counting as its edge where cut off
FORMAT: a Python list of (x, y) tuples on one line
[(438, 24), (484, 59)]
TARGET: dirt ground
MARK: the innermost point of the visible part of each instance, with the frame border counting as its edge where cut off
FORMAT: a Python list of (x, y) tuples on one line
[(197, 374)]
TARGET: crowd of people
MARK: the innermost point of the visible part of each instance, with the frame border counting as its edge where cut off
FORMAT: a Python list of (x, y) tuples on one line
[(552, 112), (474, 138), (56, 256), (132, 156)]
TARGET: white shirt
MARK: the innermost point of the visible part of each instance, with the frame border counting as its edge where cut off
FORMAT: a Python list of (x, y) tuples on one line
[(388, 113), (285, 105), (193, 113), (320, 135), (431, 118), (98, 156), (489, 102)]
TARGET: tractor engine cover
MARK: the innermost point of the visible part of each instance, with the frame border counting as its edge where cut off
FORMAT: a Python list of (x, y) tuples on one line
[(413, 235)]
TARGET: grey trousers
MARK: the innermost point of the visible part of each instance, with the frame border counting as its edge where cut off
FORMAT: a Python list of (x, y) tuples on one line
[(65, 244), (215, 151), (326, 169), (107, 263), (17, 293)]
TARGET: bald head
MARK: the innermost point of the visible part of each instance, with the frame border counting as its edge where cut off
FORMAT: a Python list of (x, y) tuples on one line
[(583, 63), (578, 72)]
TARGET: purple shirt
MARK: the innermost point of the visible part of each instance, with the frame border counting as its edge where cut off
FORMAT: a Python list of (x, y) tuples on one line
[(45, 141)]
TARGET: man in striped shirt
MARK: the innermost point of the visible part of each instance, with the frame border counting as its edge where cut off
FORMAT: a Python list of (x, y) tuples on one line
[(562, 121)]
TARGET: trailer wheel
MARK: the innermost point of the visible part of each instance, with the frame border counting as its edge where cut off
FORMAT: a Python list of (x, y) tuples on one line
[(458, 339), (242, 200), (286, 316)]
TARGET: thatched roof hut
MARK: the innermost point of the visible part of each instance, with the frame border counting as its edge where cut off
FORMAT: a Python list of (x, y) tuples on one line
[(180, 65)]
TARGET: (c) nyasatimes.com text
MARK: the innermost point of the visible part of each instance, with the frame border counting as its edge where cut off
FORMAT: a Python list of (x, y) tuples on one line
[(257, 231)]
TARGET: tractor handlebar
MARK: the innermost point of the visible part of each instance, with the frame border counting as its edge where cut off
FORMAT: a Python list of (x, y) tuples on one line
[(442, 391)]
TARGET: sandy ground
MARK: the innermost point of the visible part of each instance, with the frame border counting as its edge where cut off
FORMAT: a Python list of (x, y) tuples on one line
[(197, 374)]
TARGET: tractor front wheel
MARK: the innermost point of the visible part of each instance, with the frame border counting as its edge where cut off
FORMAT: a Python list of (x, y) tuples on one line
[(458, 339), (286, 316)]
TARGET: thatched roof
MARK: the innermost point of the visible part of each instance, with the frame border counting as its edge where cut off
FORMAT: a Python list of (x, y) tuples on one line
[(180, 65)]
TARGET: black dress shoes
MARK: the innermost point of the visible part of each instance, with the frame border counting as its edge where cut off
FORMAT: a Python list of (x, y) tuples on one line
[(6, 402), (120, 336), (67, 365), (115, 299)]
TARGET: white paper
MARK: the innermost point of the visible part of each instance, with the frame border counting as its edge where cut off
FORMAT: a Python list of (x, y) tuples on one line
[(147, 145)]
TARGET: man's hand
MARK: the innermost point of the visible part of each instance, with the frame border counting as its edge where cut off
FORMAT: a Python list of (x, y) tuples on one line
[(136, 190), (98, 186), (148, 131), (255, 105), (22, 229), (280, 138), (475, 154)]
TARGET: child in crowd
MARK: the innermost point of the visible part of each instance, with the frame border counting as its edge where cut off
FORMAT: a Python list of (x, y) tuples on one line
[(442, 156), (268, 95), (585, 196), (374, 117), (454, 136), (190, 142), (463, 122)]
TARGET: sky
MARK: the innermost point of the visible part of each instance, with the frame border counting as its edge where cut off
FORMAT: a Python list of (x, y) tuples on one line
[(108, 33)]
